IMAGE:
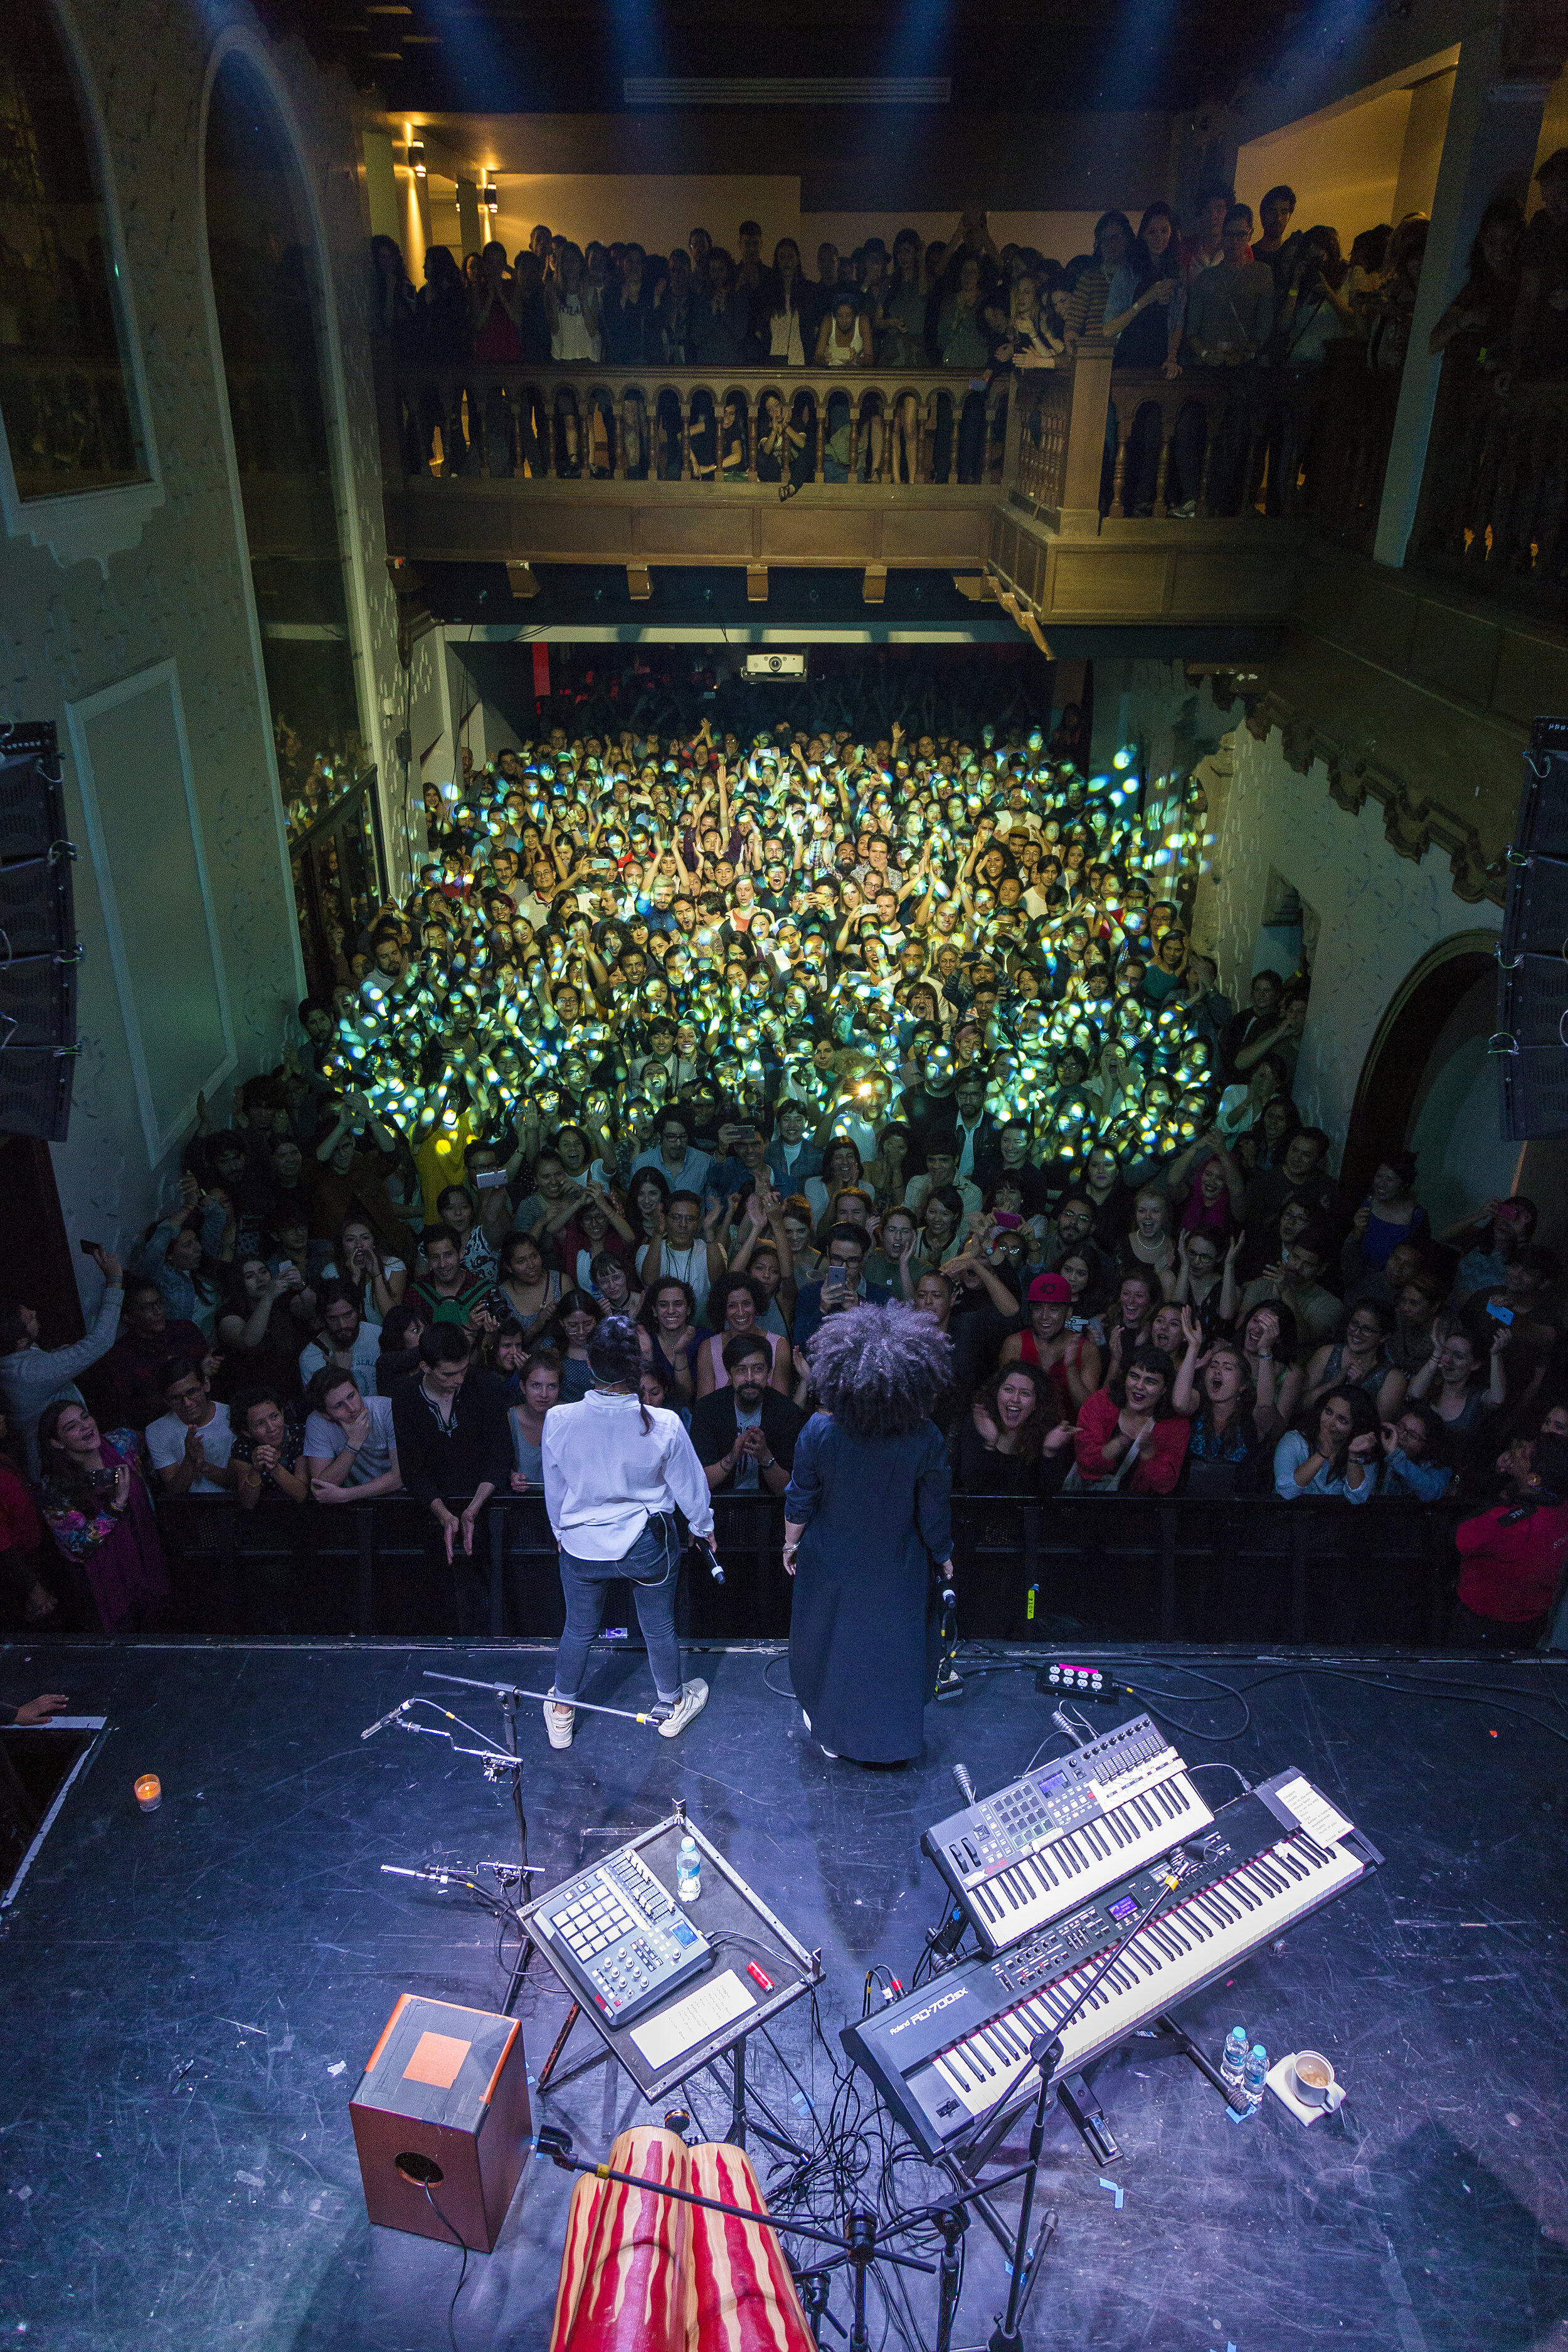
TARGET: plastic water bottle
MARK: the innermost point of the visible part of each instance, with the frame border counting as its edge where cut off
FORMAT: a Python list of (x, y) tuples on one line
[(688, 1871), (1257, 2073), (1233, 2059)]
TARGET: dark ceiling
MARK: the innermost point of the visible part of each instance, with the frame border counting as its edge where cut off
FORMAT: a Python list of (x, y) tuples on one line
[(570, 56)]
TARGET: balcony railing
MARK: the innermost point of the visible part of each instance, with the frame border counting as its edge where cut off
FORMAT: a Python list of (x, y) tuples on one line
[(1089, 492), (1114, 1569), (1494, 502), (68, 424), (469, 421)]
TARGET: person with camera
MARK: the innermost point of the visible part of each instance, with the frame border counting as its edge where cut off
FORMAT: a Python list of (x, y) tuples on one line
[(616, 1471), (843, 1284)]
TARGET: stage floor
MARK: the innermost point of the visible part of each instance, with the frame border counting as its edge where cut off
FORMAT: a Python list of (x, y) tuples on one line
[(189, 1999)]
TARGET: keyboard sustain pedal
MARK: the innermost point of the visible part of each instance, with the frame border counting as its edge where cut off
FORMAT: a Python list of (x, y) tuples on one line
[(1088, 2118)]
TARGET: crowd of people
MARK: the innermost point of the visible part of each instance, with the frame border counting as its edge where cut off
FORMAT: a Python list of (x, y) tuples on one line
[(1228, 290), (732, 1039)]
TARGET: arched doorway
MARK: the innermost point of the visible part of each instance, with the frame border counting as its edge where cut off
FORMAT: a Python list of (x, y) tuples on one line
[(1430, 1085), (266, 296)]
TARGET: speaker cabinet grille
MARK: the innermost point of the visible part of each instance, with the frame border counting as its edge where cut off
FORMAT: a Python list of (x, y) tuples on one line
[(37, 938)]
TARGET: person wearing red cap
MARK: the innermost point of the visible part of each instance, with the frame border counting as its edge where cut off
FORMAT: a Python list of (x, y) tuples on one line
[(1069, 1359)]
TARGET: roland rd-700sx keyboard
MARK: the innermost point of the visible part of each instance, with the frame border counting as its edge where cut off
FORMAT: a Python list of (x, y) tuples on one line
[(1042, 1846), (946, 2057)]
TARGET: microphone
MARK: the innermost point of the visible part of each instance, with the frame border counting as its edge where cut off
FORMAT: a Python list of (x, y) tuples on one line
[(715, 1570), (966, 1786), (385, 1719)]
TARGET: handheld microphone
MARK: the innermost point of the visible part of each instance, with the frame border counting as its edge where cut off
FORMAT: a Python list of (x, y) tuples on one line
[(385, 1719), (715, 1570), (965, 1785)]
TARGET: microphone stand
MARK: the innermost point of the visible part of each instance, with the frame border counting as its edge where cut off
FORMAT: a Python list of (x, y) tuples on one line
[(1046, 2052)]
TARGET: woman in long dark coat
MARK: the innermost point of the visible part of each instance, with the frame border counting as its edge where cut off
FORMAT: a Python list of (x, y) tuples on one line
[(865, 1515)]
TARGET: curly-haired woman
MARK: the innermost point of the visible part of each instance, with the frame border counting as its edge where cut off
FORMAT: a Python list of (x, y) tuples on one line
[(865, 1515)]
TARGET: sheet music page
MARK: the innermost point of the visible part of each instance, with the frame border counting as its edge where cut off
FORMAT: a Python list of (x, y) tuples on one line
[(1314, 1812), (715, 2003)]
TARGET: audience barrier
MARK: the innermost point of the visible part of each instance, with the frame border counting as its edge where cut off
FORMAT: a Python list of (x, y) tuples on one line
[(1069, 1569)]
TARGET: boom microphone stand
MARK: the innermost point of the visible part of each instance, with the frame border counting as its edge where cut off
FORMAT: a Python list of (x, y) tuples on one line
[(1046, 2052)]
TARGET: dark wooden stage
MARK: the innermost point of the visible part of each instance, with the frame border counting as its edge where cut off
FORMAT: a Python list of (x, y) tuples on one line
[(189, 1998)]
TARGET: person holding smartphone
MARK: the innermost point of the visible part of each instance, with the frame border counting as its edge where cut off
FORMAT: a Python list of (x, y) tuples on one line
[(843, 1284)]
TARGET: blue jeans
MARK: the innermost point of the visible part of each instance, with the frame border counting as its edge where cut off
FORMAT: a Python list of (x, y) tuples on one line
[(651, 1568)]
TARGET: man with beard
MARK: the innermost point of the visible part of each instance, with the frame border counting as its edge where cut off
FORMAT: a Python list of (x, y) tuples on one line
[(744, 1433)]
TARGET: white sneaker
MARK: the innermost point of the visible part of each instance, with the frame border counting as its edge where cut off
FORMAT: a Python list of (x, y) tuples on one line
[(560, 1722), (692, 1700)]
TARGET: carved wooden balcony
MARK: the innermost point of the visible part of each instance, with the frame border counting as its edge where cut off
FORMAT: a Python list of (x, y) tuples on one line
[(875, 468), (1136, 497), (1494, 500)]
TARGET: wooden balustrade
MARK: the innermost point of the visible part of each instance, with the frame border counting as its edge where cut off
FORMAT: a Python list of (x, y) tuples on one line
[(897, 428), (1044, 400), (1494, 502), (68, 424)]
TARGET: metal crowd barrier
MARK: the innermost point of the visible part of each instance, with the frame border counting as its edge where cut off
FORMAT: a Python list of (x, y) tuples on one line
[(1085, 1568)]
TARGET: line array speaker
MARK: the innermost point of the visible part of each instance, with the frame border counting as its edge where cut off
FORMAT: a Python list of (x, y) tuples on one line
[(38, 947), (1532, 1040)]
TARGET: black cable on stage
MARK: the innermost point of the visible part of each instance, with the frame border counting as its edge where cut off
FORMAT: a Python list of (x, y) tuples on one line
[(463, 2271), (1397, 1682), (767, 1670), (1459, 1693)]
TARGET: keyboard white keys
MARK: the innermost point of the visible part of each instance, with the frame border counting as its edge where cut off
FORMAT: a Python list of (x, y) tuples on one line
[(1181, 1949), (1065, 1869)]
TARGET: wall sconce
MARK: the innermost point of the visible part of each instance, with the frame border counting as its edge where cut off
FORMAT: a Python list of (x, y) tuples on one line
[(491, 199), (416, 157)]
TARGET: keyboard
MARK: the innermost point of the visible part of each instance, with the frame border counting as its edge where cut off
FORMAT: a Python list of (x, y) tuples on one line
[(1019, 1859), (624, 1939), (947, 2058)]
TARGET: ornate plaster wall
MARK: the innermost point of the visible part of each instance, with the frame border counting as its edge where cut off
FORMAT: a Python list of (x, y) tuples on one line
[(1378, 913), (75, 626)]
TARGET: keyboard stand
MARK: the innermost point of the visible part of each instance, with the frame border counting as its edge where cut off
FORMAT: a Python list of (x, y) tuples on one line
[(1075, 2095), (1172, 2040)]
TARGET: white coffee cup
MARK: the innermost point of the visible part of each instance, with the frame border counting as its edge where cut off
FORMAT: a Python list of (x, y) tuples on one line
[(1313, 2081)]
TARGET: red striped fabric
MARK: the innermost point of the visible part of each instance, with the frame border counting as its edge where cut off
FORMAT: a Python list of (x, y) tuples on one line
[(641, 2273)]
